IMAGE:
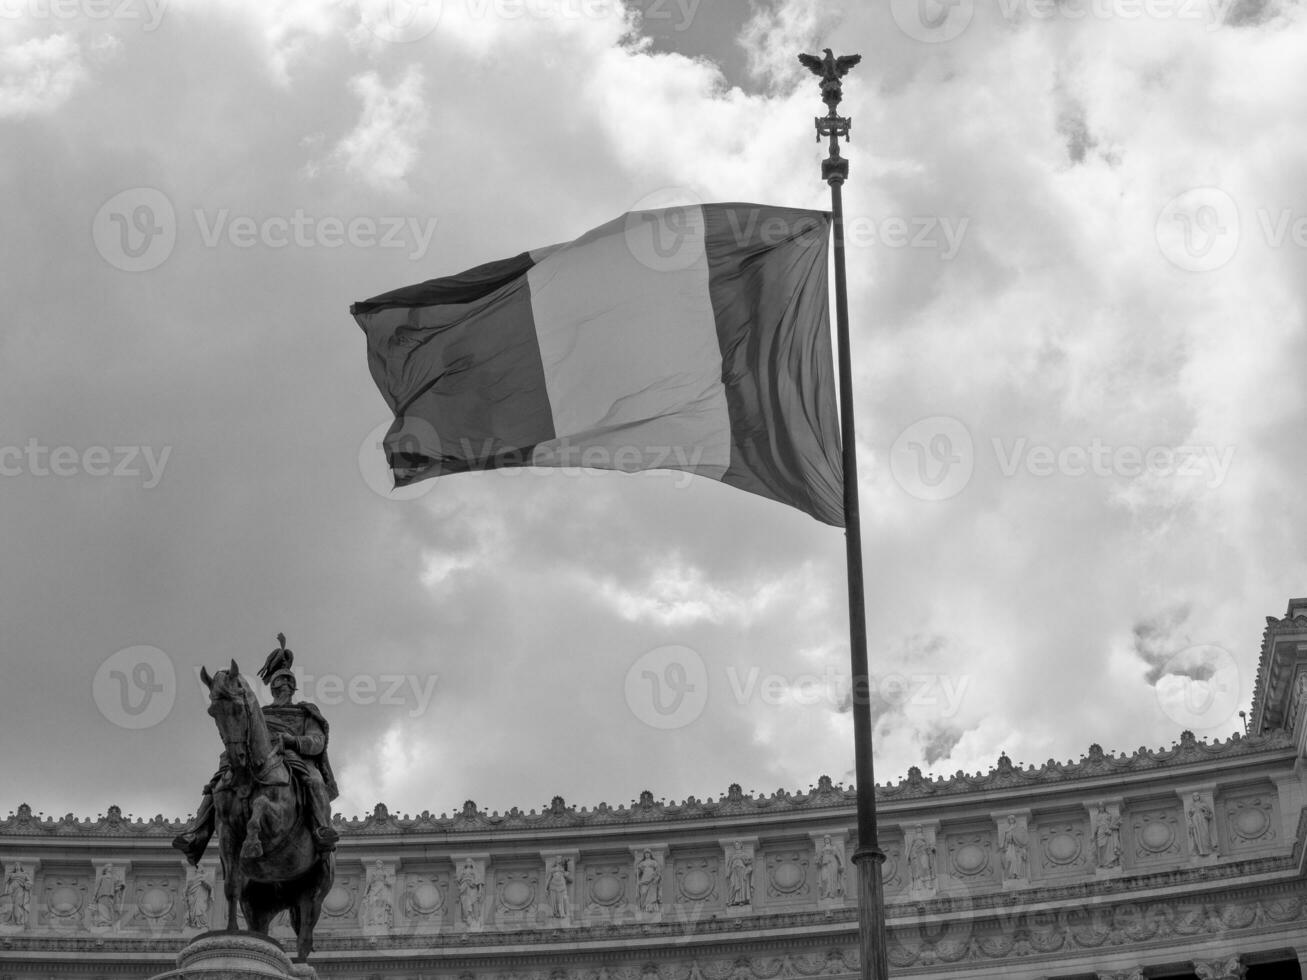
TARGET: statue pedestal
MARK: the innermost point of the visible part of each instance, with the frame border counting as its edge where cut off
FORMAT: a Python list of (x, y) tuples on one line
[(235, 956)]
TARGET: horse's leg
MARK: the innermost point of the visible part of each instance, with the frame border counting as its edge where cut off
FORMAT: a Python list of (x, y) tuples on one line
[(310, 905), (231, 877), (253, 846)]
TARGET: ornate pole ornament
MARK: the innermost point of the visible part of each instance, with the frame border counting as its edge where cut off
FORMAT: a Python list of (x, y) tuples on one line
[(831, 70), (868, 857)]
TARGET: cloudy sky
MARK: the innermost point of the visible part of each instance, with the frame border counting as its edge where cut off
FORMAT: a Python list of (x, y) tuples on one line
[(1077, 265)]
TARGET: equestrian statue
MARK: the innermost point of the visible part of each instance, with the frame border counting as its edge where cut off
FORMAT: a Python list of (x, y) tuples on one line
[(269, 801)]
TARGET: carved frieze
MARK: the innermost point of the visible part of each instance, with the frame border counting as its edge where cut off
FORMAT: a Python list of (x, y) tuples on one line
[(1063, 846), (969, 857), (156, 901), (787, 875), (1251, 819), (1155, 833), (426, 898), (697, 879)]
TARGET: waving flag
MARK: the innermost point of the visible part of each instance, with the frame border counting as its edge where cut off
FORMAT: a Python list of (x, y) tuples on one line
[(693, 338)]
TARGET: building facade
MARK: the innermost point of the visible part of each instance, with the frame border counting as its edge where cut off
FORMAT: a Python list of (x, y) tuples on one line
[(1186, 861)]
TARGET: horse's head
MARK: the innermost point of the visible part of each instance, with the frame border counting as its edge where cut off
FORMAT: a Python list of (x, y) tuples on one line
[(232, 704)]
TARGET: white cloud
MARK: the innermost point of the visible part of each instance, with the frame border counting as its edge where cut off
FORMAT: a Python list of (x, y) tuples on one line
[(383, 147), (39, 75)]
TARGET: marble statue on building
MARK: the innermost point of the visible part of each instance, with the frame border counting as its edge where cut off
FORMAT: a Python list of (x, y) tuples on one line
[(107, 899), (378, 895), (739, 877), (471, 891), (1107, 838), (921, 861), (557, 881), (1202, 832), (830, 870), (199, 898), (648, 880), (18, 887), (1012, 844)]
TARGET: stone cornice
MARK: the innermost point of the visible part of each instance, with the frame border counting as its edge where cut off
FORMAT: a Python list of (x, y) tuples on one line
[(1270, 701), (826, 797)]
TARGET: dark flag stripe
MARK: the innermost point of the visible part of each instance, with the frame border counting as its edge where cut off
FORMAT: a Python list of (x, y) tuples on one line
[(465, 380), (466, 287), (768, 285)]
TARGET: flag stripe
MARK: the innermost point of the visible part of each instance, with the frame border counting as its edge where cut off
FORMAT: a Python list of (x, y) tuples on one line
[(466, 287), (767, 276), (629, 349)]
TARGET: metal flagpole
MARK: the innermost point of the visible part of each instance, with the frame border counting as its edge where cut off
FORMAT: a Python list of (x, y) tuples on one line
[(868, 857)]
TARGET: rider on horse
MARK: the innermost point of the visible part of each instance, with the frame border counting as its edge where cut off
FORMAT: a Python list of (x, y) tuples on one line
[(300, 731)]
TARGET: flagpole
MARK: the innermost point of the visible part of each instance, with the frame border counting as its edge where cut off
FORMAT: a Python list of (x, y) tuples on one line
[(868, 857)]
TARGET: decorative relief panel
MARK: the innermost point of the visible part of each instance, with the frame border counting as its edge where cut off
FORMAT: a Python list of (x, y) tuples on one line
[(1250, 820), (340, 906), (426, 899), (64, 897), (696, 880), (156, 902), (1064, 847), (893, 874), (516, 893), (605, 891), (969, 857), (787, 876), (1156, 835)]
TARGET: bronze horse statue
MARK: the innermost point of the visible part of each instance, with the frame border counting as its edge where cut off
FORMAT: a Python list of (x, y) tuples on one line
[(269, 862)]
